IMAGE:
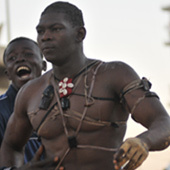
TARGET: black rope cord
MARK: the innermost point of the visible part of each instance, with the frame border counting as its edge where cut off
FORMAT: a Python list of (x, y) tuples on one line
[(79, 73)]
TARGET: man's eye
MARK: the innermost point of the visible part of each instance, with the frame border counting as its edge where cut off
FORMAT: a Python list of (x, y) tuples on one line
[(40, 31), (12, 58), (56, 29)]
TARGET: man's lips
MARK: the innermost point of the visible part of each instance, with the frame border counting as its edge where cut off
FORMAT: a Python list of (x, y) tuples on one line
[(23, 71), (22, 68), (46, 49)]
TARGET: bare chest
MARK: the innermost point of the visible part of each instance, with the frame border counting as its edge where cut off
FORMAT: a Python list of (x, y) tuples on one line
[(91, 106)]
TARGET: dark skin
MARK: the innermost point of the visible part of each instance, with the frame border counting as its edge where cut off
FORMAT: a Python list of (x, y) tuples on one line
[(36, 164), (26, 56), (61, 43)]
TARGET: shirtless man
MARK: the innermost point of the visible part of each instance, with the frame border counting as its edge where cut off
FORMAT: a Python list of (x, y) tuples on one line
[(80, 107)]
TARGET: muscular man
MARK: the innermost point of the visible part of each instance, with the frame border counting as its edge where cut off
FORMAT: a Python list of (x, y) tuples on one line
[(80, 108), (23, 62)]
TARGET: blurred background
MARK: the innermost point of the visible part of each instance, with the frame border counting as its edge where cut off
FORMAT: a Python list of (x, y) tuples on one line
[(136, 32)]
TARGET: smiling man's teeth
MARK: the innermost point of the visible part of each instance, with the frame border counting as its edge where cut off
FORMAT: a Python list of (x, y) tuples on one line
[(23, 72), (22, 68), (24, 76)]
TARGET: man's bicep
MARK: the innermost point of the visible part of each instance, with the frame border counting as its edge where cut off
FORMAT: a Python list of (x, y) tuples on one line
[(17, 131), (12, 144), (19, 121), (148, 111)]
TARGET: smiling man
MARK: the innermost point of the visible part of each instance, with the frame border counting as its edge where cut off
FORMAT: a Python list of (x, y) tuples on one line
[(23, 61)]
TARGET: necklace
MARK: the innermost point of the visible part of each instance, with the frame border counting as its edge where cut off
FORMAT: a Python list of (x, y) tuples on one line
[(67, 84), (72, 139)]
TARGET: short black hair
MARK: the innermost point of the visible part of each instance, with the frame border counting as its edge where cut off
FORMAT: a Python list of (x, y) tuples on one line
[(19, 39), (74, 14)]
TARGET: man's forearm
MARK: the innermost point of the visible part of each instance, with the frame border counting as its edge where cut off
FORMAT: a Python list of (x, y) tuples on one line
[(157, 137), (10, 157)]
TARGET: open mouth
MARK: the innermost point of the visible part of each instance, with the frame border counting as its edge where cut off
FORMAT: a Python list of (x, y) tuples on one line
[(23, 72)]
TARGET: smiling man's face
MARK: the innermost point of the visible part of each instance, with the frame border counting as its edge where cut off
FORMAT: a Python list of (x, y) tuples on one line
[(23, 62)]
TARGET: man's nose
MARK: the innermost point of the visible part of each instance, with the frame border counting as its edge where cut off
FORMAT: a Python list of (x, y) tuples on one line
[(46, 36), (20, 58)]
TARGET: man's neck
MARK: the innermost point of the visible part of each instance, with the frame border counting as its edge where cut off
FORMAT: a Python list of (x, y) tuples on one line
[(70, 70)]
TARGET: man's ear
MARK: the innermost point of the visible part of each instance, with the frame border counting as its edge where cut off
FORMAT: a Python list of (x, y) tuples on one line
[(8, 75), (44, 67), (81, 33)]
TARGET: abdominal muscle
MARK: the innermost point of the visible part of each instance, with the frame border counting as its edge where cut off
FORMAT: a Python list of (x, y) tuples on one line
[(84, 158)]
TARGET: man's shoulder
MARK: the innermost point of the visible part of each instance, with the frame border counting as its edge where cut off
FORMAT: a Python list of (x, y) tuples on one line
[(36, 83), (39, 80), (116, 63), (118, 73), (31, 90), (116, 66)]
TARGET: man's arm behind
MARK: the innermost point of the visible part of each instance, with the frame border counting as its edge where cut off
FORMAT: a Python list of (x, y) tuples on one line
[(17, 133), (13, 144)]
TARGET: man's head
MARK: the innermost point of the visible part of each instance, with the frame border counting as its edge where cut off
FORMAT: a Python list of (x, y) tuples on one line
[(23, 61), (61, 32), (73, 14)]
